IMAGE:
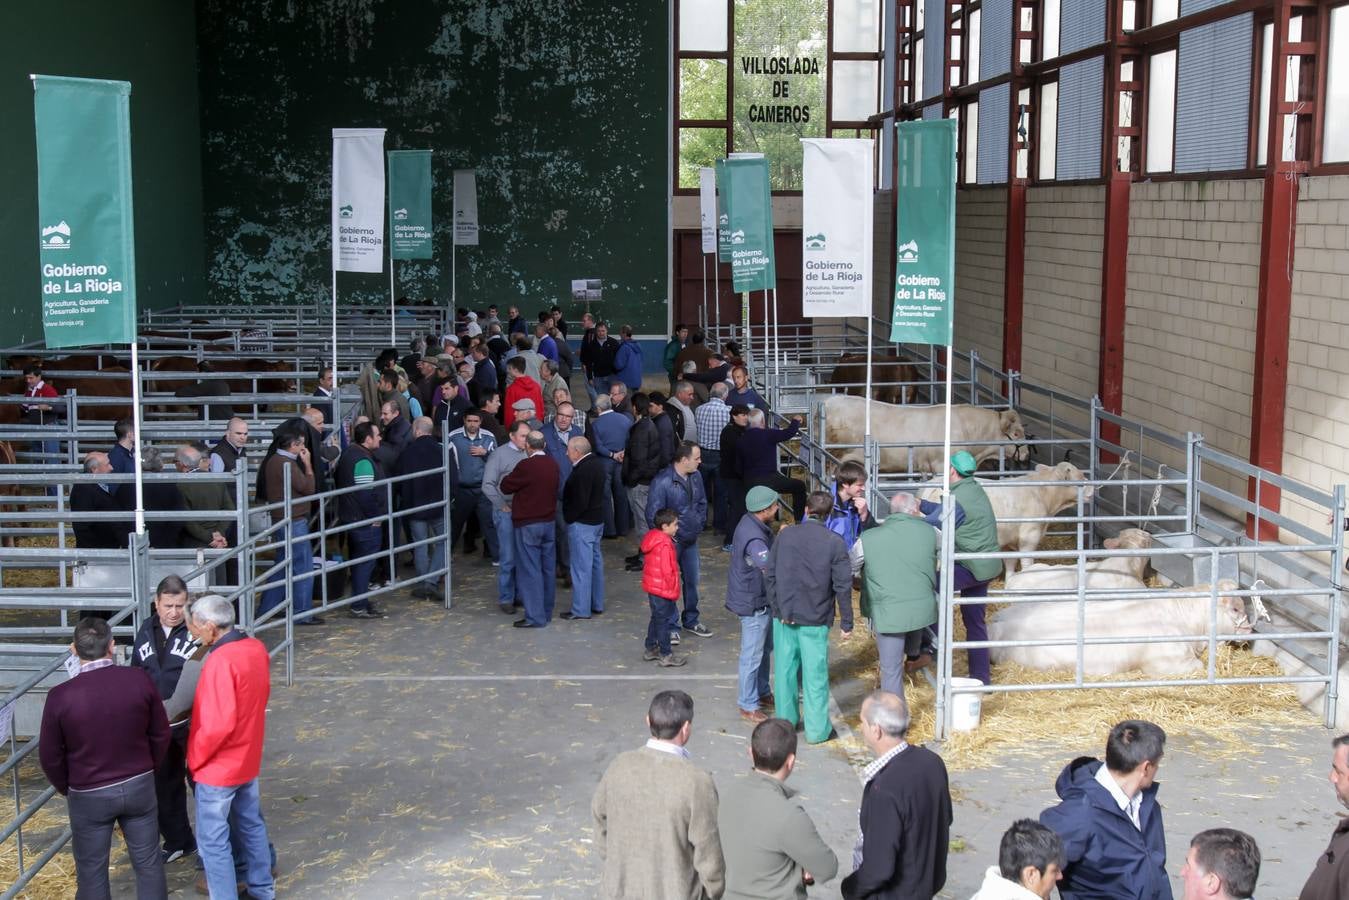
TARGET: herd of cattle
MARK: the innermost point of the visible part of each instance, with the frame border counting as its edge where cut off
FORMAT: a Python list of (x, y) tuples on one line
[(908, 435)]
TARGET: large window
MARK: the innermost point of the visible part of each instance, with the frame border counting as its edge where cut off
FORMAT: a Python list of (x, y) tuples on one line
[(1335, 140), (1161, 128), (757, 76)]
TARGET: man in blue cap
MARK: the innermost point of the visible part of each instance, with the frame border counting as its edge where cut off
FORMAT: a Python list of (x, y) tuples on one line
[(976, 532)]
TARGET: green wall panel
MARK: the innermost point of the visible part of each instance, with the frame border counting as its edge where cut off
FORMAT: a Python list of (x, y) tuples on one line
[(560, 105), (150, 43)]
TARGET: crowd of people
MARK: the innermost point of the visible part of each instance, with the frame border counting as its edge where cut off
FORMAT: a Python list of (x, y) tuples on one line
[(666, 829)]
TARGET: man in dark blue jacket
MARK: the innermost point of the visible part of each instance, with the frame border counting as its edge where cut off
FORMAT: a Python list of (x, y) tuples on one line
[(680, 488), (424, 454), (1109, 819), (162, 645), (358, 468), (747, 597)]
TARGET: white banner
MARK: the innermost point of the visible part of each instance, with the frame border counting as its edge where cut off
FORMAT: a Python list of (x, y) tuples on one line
[(465, 208), (707, 197), (358, 199), (836, 226)]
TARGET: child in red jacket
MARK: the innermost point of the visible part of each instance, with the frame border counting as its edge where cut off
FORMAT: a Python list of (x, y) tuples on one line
[(660, 580)]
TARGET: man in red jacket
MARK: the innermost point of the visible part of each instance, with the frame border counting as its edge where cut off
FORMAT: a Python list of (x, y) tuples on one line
[(224, 750), (521, 387)]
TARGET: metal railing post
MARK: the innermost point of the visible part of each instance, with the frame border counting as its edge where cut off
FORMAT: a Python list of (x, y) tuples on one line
[(974, 377), (1193, 441), (246, 561), (447, 539), (140, 578), (288, 537), (1333, 600), (942, 710)]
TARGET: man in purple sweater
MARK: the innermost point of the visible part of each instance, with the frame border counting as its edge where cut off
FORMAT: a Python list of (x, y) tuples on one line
[(104, 733)]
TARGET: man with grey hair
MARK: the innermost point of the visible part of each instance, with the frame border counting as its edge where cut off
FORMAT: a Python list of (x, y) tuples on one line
[(710, 419), (533, 489), (898, 564), (609, 440), (583, 511), (97, 497), (680, 408), (550, 382), (906, 810), (224, 750)]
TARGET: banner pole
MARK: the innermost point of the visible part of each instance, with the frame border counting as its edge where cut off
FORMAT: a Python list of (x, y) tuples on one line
[(454, 244), (866, 428), (393, 314), (704, 321), (454, 275), (766, 321), (136, 427), (777, 363), (716, 284)]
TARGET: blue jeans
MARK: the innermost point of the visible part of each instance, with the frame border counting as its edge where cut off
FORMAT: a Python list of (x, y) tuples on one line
[(363, 541), (296, 540), (501, 522), (216, 806), (715, 501), (688, 573), (421, 529), (756, 649), (658, 629), (617, 514), (535, 563), (472, 503), (587, 568)]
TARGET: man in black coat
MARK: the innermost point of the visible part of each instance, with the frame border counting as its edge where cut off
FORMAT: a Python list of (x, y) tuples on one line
[(906, 811), (162, 645), (90, 497), (642, 459), (583, 511), (425, 454), (728, 469)]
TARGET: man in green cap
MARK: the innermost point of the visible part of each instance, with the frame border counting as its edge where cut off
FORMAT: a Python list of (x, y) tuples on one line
[(745, 596), (976, 532), (898, 561)]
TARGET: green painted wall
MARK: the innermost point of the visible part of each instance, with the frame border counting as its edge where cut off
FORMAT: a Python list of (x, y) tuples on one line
[(150, 43), (559, 104)]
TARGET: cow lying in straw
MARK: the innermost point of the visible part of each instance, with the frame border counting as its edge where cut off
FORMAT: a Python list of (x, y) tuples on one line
[(1115, 572), (1156, 617)]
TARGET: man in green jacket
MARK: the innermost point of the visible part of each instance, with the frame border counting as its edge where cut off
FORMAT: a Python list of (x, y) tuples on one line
[(898, 562), (771, 846), (976, 532), (678, 341)]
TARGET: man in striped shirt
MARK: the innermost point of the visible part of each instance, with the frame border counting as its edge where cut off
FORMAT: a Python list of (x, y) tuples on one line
[(711, 418)]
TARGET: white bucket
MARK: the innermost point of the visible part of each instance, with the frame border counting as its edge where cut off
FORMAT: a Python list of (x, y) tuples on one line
[(965, 708)]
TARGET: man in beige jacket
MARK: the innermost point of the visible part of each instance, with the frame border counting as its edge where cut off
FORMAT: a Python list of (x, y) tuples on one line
[(656, 815)]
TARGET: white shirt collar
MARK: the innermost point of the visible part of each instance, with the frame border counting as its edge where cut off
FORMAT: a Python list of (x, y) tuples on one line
[(882, 761), (1130, 807), (667, 747), (96, 664)]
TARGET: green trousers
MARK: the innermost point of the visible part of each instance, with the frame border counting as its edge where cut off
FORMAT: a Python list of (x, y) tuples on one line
[(802, 651)]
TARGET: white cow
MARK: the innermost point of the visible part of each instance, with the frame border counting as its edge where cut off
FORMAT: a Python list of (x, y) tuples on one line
[(1021, 498), (1155, 617), (973, 428), (1132, 569)]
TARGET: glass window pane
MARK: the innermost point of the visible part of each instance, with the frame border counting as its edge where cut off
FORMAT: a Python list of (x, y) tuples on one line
[(1335, 147), (1129, 15), (1023, 129), (699, 147), (1049, 129), (855, 87), (972, 43), (857, 26), (779, 83), (1164, 11), (702, 25), (702, 89), (971, 143), (1049, 39), (1161, 111), (918, 71), (1262, 113), (920, 5)]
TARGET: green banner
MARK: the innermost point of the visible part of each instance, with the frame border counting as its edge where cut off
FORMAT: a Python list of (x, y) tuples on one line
[(925, 235), (87, 245), (749, 215), (410, 204), (723, 224)]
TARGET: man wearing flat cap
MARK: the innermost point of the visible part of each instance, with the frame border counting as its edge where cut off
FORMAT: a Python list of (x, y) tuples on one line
[(746, 597)]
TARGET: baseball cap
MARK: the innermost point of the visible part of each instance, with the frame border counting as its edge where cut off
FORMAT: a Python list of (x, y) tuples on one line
[(760, 498), (963, 462)]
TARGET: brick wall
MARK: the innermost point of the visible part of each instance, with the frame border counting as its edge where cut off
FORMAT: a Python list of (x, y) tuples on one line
[(981, 235), (1189, 349), (1062, 306), (1316, 425)]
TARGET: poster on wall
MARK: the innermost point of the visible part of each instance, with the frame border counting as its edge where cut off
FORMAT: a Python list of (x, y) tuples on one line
[(410, 204), (707, 207), (465, 208), (358, 199), (925, 232), (750, 220), (587, 290), (836, 226), (86, 242)]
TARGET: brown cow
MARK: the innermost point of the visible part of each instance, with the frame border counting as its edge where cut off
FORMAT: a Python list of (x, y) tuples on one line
[(886, 372), (81, 362)]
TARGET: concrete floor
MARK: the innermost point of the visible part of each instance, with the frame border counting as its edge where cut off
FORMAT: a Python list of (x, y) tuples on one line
[(437, 754)]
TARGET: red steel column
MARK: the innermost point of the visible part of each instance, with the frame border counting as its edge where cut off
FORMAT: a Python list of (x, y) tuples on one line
[(1277, 223), (1114, 280)]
